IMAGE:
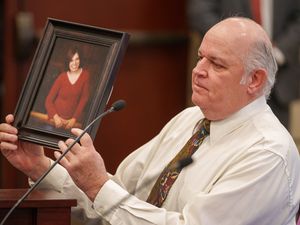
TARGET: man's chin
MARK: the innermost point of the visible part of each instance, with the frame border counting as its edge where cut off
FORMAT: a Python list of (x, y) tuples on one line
[(198, 101)]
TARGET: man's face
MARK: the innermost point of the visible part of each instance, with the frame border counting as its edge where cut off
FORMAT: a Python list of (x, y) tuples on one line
[(217, 75)]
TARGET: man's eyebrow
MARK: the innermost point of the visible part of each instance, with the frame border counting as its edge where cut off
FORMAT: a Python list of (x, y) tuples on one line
[(217, 59), (214, 58), (208, 56)]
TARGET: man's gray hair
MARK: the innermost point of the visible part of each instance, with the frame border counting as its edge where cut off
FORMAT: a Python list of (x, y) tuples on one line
[(260, 55)]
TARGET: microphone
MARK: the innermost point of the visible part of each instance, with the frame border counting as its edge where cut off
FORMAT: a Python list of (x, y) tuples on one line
[(179, 165), (116, 106)]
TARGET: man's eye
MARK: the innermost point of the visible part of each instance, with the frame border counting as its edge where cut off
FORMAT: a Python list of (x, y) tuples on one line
[(218, 66), (199, 58)]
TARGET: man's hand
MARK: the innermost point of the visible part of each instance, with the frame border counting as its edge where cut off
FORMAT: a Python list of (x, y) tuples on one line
[(28, 158), (84, 164)]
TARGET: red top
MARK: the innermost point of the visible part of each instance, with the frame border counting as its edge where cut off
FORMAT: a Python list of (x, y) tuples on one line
[(66, 99)]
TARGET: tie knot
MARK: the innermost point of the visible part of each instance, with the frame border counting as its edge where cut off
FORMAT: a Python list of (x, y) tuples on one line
[(203, 127), (205, 124)]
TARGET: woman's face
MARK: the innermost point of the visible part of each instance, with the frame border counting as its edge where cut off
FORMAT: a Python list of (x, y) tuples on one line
[(74, 63)]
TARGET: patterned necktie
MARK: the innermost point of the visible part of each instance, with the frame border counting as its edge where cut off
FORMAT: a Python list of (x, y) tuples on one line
[(169, 175)]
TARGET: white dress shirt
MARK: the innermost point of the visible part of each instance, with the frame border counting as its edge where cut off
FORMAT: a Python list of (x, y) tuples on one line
[(246, 172)]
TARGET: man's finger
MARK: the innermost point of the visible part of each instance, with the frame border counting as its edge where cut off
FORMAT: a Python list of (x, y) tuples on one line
[(85, 140), (63, 147), (76, 147), (9, 118), (7, 128), (64, 162), (8, 146), (7, 137)]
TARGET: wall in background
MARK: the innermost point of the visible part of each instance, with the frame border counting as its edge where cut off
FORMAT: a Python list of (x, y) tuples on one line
[(152, 76)]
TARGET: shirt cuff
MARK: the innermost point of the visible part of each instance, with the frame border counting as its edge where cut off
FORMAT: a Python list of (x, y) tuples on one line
[(54, 179), (109, 198)]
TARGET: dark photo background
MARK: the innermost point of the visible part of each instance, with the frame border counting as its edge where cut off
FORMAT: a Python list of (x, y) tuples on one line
[(92, 58)]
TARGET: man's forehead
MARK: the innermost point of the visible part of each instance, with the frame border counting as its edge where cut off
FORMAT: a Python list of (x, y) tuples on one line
[(241, 30), (219, 48), (232, 36), (214, 44)]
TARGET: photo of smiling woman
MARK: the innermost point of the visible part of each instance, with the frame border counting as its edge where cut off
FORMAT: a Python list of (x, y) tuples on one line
[(69, 93)]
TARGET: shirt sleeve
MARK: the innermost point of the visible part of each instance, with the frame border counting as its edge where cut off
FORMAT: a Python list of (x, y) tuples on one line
[(125, 180), (117, 206), (242, 196), (59, 180)]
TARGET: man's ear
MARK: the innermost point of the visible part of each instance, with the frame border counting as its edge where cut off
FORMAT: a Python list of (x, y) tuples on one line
[(256, 81)]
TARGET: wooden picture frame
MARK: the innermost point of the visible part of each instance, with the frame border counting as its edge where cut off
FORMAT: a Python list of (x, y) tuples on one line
[(99, 51)]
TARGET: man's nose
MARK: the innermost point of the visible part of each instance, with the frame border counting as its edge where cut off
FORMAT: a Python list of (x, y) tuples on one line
[(201, 67)]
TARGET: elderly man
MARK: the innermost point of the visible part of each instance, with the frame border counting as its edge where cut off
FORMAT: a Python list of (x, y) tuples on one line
[(281, 20), (246, 165)]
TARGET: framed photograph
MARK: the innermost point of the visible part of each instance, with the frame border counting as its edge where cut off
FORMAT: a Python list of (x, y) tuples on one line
[(69, 82)]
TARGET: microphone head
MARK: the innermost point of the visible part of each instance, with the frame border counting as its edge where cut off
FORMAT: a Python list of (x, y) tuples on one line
[(118, 105)]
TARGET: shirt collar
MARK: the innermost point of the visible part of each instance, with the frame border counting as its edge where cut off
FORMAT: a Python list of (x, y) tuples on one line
[(220, 128)]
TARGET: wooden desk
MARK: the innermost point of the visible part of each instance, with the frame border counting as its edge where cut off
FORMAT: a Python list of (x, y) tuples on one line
[(41, 207)]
